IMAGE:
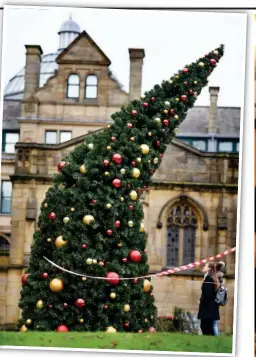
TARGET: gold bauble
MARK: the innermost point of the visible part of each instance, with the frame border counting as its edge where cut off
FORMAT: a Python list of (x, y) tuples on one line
[(23, 328), (56, 285), (132, 138), (146, 320), (133, 195), (119, 244), (60, 242), (110, 329), (39, 304), (108, 147), (195, 82), (138, 159), (72, 209), (135, 173), (28, 322), (201, 64), (142, 229), (106, 173), (130, 224), (176, 117), (112, 295), (90, 146), (146, 285), (177, 99), (81, 321), (155, 160), (215, 52), (127, 308), (157, 120), (108, 126), (89, 261), (108, 205), (94, 261), (49, 240), (45, 205), (88, 219), (122, 171), (177, 76), (165, 111), (83, 169), (84, 278), (150, 134), (144, 149), (121, 199)]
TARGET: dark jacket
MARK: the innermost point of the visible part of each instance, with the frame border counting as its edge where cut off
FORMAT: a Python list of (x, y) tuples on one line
[(208, 309)]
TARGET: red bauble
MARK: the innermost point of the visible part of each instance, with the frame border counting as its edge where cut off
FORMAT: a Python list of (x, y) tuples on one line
[(151, 172), (145, 250), (184, 98), (65, 304), (161, 155), (166, 122), (151, 330), (94, 202), (131, 207), (163, 130), (45, 275), (117, 224), (61, 165), (106, 162), (191, 92), (129, 125), (133, 163), (24, 279), (105, 307), (126, 324), (50, 306), (135, 256), (101, 264), (172, 111), (185, 83), (152, 99), (80, 303), (145, 104), (117, 158), (212, 62), (117, 183), (52, 216), (112, 278), (134, 112), (185, 70), (140, 331), (136, 281), (158, 143), (62, 328), (113, 138), (109, 232), (84, 246), (124, 260)]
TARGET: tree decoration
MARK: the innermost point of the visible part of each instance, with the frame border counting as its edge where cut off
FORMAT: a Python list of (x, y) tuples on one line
[(45, 275), (66, 219), (60, 242), (144, 149), (117, 183), (130, 224), (39, 304), (110, 329), (112, 296), (88, 219), (136, 173), (117, 224), (80, 303), (127, 308), (146, 285), (108, 205), (23, 328), (90, 146), (56, 285), (83, 169), (134, 112), (24, 279), (61, 165), (88, 261), (62, 328), (52, 216), (135, 256), (117, 158), (112, 278), (133, 195), (28, 322)]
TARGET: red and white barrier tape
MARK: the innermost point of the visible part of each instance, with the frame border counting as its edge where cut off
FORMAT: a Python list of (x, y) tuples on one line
[(162, 273)]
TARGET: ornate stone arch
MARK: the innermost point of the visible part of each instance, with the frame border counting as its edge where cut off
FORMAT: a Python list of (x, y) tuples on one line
[(181, 199)]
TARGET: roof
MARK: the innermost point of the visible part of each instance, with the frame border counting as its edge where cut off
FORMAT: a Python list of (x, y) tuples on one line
[(69, 26)]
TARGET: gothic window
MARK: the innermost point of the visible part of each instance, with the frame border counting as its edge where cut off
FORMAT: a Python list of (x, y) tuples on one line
[(4, 243), (73, 85), (181, 233), (91, 87)]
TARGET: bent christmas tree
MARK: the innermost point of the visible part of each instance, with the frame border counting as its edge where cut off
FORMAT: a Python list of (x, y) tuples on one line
[(91, 219)]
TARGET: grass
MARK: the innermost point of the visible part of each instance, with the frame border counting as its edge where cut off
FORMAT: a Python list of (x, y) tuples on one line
[(121, 341)]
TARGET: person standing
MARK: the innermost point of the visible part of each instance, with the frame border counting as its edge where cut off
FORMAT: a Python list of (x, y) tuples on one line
[(208, 309), (219, 266)]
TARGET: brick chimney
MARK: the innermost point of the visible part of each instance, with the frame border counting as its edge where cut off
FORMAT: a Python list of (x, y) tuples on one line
[(212, 117), (136, 63), (32, 70)]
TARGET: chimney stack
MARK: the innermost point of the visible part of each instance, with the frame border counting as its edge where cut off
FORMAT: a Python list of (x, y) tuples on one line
[(136, 63), (212, 121), (32, 70)]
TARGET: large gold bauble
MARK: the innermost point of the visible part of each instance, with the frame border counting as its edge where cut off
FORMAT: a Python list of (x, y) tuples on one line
[(88, 219), (56, 285), (142, 229), (89, 261), (60, 242), (110, 329), (133, 195), (23, 328), (135, 173), (28, 322), (127, 308), (146, 285), (144, 149), (83, 169), (112, 295), (39, 304)]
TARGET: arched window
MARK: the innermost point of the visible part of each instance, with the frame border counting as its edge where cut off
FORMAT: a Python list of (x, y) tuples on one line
[(4, 242), (73, 86), (181, 234), (91, 87)]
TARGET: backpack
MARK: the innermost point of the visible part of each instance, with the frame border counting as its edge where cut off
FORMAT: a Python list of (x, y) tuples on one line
[(222, 296)]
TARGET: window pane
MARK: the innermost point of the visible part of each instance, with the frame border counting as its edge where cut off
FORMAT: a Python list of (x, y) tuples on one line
[(199, 144), (73, 79), (91, 92), (73, 91), (65, 136), (189, 245), (92, 80), (9, 148), (6, 197), (172, 246), (51, 137), (226, 146), (237, 147), (11, 138), (6, 189)]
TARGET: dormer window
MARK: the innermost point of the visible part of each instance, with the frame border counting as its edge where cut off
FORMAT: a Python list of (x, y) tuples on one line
[(73, 86), (91, 87)]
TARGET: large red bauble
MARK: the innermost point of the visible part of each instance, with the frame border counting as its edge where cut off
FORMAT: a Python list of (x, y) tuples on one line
[(117, 183), (131, 207), (212, 62), (24, 279), (45, 275), (117, 158), (62, 328), (52, 216), (109, 232), (166, 122), (151, 330), (61, 165), (117, 224), (112, 278), (134, 112), (145, 104), (184, 98), (80, 303), (106, 162), (135, 256)]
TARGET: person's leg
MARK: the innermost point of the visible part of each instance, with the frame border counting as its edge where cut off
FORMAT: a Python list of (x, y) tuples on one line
[(207, 327), (215, 328), (203, 327)]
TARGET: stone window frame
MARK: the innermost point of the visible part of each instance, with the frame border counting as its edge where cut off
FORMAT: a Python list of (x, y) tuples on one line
[(58, 135), (69, 84), (91, 85)]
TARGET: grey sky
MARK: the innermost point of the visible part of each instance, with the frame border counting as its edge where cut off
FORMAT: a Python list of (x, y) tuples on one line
[(171, 40)]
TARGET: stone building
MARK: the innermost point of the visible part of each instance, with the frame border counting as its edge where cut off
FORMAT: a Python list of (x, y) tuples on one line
[(190, 212)]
